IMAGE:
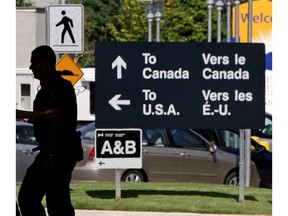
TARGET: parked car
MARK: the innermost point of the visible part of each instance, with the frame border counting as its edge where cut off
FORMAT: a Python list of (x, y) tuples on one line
[(264, 135), (25, 143), (229, 141), (177, 155), (25, 155)]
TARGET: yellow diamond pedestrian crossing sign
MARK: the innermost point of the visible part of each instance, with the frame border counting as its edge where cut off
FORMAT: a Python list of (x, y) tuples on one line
[(69, 69)]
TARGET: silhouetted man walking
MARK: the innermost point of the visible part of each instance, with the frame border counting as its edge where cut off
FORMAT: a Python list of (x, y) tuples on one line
[(54, 119)]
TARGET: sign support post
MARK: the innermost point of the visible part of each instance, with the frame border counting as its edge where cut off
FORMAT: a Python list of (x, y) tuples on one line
[(117, 183), (242, 168)]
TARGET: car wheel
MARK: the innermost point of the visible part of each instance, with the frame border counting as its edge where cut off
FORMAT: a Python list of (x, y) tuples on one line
[(133, 176), (232, 179)]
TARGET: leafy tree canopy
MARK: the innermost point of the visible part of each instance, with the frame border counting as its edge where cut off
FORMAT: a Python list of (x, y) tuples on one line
[(23, 3)]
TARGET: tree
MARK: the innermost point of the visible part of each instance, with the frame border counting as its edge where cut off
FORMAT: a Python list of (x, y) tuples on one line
[(185, 21), (23, 3), (97, 14), (125, 20), (182, 21), (131, 23)]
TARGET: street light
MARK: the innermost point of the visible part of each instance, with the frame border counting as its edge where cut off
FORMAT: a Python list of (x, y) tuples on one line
[(228, 12), (210, 4), (150, 17), (158, 7), (153, 9), (219, 5), (237, 3)]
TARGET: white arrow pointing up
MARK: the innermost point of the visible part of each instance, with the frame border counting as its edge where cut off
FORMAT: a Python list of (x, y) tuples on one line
[(115, 102), (119, 63)]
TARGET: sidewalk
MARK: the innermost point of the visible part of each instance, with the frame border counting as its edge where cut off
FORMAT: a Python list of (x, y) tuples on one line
[(130, 213)]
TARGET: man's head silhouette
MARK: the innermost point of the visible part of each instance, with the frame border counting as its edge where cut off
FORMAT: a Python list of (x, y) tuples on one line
[(43, 61)]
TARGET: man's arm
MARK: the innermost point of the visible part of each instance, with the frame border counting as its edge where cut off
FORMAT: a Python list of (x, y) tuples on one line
[(51, 113), (34, 116), (27, 114)]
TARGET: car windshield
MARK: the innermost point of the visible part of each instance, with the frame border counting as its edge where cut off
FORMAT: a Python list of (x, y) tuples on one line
[(88, 131), (154, 137), (25, 135), (186, 139), (232, 139), (267, 130)]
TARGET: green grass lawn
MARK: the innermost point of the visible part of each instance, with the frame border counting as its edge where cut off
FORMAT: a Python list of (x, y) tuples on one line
[(171, 197)]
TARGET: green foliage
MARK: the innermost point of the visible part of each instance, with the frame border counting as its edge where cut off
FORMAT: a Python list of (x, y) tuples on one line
[(23, 3), (131, 23), (125, 20), (184, 21), (98, 14)]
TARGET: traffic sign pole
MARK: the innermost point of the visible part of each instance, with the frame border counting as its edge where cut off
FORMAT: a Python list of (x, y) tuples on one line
[(242, 168), (117, 183)]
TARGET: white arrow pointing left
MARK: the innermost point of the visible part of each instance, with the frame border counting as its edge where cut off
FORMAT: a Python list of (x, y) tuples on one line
[(115, 102), (119, 63)]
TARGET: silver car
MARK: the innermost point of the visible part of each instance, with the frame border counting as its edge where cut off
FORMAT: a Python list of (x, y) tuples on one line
[(25, 153), (25, 143)]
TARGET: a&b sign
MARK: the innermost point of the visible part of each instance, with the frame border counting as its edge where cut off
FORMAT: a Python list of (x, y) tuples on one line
[(65, 28), (118, 148)]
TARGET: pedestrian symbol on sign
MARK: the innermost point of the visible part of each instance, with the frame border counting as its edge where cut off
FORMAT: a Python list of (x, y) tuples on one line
[(68, 24)]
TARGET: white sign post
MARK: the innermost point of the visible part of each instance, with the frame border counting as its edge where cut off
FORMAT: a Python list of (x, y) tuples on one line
[(65, 28), (118, 149)]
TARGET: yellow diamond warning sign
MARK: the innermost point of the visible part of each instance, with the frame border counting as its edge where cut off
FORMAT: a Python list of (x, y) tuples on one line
[(69, 69)]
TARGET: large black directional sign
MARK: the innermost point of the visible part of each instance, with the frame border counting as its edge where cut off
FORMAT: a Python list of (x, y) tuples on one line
[(180, 85)]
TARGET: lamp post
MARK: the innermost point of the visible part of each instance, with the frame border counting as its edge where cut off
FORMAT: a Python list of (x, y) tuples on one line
[(158, 12), (237, 3), (219, 5), (150, 17), (228, 14), (248, 131), (210, 4), (250, 14), (153, 9)]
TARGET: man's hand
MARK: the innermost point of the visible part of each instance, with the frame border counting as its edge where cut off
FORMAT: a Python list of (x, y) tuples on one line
[(37, 115), (51, 113)]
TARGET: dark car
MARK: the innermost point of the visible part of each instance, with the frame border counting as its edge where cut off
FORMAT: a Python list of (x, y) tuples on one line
[(228, 141), (264, 135)]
